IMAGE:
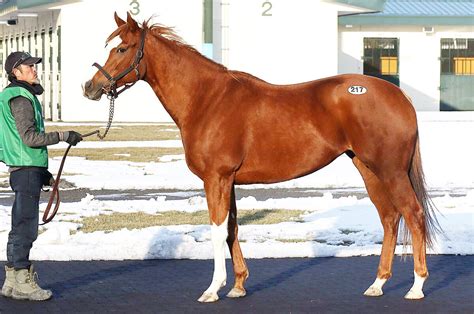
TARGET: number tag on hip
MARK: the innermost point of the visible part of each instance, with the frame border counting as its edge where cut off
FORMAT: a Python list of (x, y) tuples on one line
[(357, 90)]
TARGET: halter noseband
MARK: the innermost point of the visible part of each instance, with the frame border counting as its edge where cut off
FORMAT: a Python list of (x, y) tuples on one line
[(112, 91)]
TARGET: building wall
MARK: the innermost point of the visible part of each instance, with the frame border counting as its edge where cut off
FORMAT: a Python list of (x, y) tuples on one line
[(279, 41), (286, 47), (419, 52), (86, 25), (38, 36)]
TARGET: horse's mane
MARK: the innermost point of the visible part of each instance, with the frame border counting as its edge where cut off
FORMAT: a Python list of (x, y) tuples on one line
[(168, 33), (161, 31)]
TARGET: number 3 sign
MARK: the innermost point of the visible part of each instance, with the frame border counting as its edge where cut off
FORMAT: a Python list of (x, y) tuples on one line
[(134, 7)]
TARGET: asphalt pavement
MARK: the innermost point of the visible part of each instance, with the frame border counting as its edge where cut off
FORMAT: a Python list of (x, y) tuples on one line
[(295, 285)]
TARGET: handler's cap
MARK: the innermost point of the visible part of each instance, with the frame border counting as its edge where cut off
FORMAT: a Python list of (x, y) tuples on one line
[(19, 57)]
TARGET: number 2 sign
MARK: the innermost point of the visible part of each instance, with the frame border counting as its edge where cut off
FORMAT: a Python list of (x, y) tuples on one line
[(267, 6)]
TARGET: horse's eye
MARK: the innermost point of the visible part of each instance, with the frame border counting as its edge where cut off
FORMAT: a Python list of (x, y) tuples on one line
[(121, 50)]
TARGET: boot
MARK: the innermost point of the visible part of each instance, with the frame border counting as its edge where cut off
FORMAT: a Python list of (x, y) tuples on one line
[(9, 281), (26, 287)]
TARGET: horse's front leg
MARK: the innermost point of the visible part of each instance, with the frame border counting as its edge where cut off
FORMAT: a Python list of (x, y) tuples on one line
[(240, 268), (218, 191)]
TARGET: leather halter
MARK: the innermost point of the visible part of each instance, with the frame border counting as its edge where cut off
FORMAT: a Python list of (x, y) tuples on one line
[(111, 90)]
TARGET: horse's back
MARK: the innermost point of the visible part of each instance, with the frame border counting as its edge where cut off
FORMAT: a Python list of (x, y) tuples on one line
[(300, 128)]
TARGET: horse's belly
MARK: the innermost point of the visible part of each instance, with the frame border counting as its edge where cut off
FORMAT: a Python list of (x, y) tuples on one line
[(278, 166), (262, 176)]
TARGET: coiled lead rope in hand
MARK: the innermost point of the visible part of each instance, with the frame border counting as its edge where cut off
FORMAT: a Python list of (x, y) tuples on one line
[(55, 191)]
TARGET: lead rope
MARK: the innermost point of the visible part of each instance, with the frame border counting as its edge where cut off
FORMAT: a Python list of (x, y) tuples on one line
[(55, 191), (111, 117)]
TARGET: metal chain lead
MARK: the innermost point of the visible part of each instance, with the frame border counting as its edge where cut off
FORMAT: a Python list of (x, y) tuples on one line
[(111, 117)]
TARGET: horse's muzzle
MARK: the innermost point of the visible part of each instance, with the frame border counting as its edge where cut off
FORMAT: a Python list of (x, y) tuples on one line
[(92, 92)]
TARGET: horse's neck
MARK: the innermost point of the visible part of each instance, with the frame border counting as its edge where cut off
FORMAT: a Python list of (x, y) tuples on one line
[(176, 75)]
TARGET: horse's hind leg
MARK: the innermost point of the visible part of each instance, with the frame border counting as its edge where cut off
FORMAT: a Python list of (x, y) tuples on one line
[(404, 198), (389, 217), (240, 268), (218, 192)]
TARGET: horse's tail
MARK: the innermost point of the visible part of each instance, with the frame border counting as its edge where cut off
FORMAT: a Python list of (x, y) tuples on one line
[(417, 178)]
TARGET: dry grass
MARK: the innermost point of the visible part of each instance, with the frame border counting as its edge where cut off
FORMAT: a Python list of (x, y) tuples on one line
[(117, 221), (301, 240), (135, 154), (292, 240), (152, 132)]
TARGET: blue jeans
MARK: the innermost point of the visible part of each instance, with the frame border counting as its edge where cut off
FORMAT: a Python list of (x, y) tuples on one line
[(27, 184)]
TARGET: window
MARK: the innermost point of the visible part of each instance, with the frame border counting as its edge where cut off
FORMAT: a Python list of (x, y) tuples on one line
[(36, 43), (29, 42), (59, 48), (389, 65), (457, 74), (457, 56), (381, 58)]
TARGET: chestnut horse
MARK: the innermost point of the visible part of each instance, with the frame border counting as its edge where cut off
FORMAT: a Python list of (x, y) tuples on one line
[(238, 129)]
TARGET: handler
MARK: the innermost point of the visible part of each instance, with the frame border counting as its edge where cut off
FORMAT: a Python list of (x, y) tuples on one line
[(23, 144)]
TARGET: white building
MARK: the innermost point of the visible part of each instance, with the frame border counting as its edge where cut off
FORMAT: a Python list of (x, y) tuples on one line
[(280, 41), (425, 47)]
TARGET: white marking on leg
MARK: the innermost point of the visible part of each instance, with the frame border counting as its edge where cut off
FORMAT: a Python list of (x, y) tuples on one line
[(379, 283), (219, 236), (375, 290), (416, 291)]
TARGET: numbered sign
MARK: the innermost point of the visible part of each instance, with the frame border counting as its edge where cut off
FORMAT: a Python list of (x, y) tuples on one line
[(134, 7), (267, 7), (357, 90)]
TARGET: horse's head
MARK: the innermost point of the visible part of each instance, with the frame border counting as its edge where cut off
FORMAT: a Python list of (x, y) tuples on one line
[(124, 67)]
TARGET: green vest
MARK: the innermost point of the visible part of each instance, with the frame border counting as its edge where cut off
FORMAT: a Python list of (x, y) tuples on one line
[(13, 151)]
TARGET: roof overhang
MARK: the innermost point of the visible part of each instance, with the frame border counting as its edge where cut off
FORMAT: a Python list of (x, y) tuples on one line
[(366, 19), (371, 5), (416, 12), (10, 9)]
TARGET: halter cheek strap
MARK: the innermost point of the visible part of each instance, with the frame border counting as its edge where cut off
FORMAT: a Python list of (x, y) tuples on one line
[(112, 91)]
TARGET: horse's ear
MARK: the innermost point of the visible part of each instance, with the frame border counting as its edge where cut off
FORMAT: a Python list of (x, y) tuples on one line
[(118, 20), (131, 23)]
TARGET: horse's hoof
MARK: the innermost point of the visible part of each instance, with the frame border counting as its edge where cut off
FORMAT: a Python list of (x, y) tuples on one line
[(236, 293), (373, 292), (208, 297), (414, 295)]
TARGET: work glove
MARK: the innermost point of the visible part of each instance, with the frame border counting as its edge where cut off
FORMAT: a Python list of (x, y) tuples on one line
[(48, 179), (72, 137)]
